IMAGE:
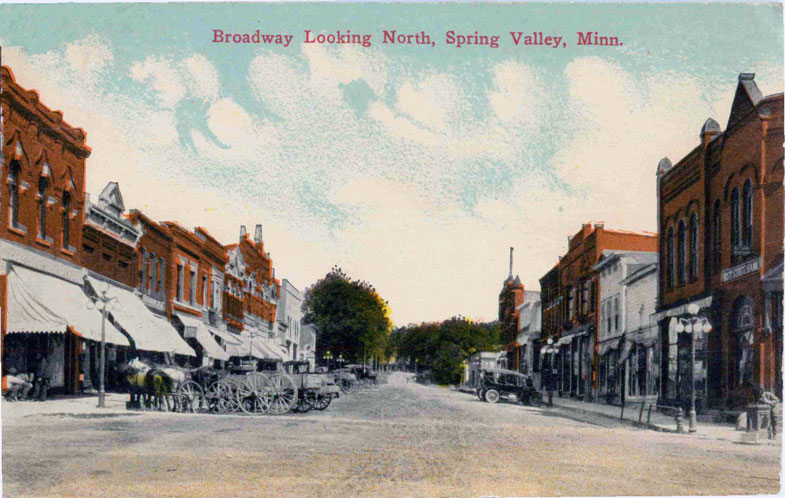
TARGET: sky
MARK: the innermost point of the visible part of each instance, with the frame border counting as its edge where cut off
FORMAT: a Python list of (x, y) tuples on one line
[(413, 167)]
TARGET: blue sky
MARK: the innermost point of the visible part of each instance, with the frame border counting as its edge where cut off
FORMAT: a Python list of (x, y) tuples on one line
[(415, 168)]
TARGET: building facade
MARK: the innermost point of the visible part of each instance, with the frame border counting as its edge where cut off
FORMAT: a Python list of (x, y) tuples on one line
[(42, 213), (289, 316), (510, 298), (626, 303), (577, 360), (720, 211), (529, 330)]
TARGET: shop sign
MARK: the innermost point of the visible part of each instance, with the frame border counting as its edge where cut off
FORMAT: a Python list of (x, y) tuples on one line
[(741, 270)]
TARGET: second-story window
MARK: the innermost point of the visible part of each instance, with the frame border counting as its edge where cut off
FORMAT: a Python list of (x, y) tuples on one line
[(43, 186), (161, 275), (192, 296), (66, 219), (143, 270), (669, 266), (13, 186), (205, 287), (716, 242), (735, 221), (153, 274), (693, 273), (746, 228), (681, 252), (180, 282), (616, 314)]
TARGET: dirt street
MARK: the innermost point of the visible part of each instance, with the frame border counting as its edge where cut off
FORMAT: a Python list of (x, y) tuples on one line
[(397, 440)]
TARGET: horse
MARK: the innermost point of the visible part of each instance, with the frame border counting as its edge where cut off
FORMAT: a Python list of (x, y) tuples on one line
[(151, 386)]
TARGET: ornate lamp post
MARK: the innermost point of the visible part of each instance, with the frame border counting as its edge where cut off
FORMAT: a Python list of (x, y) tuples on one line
[(693, 325), (328, 356), (551, 350), (101, 303)]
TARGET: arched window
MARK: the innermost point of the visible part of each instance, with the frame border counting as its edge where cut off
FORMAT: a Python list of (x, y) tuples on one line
[(682, 252), (13, 186), (746, 230), (66, 219), (669, 266), (716, 242), (693, 273), (735, 222), (43, 185)]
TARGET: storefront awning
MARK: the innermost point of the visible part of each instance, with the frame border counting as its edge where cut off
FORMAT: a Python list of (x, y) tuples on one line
[(227, 337), (682, 309), (42, 303), (268, 350), (148, 332), (203, 337), (609, 345)]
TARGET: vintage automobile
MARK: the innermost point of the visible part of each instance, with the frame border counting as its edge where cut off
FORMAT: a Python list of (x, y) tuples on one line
[(498, 383), (315, 390), (345, 379), (366, 376)]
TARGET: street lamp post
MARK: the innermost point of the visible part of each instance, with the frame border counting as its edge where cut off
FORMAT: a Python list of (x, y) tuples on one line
[(551, 350), (693, 325), (101, 303), (328, 356)]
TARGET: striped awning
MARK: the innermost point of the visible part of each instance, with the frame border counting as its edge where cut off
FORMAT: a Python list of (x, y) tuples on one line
[(42, 303)]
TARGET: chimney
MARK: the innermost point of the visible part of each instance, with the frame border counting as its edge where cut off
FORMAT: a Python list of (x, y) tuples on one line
[(242, 231), (257, 234), (599, 225), (709, 130), (511, 249)]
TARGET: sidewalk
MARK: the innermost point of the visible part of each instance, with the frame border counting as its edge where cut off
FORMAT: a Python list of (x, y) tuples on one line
[(658, 421), (83, 404)]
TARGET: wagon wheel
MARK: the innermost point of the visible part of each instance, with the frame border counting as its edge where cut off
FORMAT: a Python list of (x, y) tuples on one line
[(282, 392), (323, 401), (218, 396), (230, 395), (252, 396), (191, 396), (306, 400), (346, 386)]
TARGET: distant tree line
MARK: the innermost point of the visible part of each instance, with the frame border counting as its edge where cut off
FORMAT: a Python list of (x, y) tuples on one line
[(443, 347)]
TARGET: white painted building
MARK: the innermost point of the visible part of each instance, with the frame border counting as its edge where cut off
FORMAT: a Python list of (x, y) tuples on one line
[(289, 317), (529, 330), (614, 268)]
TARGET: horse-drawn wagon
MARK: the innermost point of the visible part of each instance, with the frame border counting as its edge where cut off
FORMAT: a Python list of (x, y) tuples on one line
[(315, 390)]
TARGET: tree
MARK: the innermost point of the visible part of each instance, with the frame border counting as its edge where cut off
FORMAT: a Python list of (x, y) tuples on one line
[(352, 319), (448, 365)]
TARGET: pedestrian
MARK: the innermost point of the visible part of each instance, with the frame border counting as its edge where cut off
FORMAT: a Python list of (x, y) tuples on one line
[(43, 376), (19, 385), (771, 399)]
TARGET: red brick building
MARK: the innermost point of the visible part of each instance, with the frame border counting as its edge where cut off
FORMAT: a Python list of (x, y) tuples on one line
[(42, 213), (510, 298), (578, 303), (720, 213)]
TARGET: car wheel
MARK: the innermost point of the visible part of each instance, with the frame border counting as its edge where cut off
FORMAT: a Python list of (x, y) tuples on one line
[(492, 396), (481, 394)]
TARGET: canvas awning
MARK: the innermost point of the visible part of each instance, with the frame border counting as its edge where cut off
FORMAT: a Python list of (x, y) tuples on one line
[(609, 345), (267, 350), (148, 332), (645, 337), (227, 337), (203, 337), (42, 303)]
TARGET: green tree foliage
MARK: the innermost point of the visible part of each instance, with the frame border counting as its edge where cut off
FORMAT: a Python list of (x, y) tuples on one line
[(351, 318), (443, 345)]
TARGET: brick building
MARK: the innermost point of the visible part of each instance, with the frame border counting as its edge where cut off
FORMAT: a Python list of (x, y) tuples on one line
[(578, 303), (720, 210), (511, 298), (251, 298), (42, 212)]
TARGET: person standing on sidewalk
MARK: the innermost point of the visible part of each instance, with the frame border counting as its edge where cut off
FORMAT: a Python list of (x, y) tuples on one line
[(43, 375)]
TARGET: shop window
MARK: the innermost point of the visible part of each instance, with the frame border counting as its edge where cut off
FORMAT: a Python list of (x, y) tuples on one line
[(693, 273), (681, 252)]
